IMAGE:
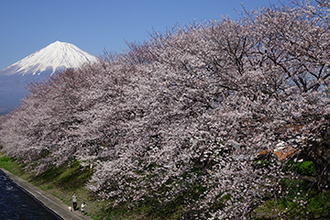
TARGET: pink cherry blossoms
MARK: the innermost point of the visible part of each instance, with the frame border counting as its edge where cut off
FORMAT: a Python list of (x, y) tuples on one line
[(189, 109)]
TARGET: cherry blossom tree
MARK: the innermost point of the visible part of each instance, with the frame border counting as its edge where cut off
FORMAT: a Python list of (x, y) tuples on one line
[(187, 112)]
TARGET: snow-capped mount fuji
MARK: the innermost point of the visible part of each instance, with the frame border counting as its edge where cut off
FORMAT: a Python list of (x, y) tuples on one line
[(36, 67), (51, 59)]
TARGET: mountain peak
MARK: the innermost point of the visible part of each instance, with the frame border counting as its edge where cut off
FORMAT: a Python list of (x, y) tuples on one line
[(53, 58), (36, 67)]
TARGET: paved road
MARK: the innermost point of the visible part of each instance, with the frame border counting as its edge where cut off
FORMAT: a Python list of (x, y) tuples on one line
[(51, 202)]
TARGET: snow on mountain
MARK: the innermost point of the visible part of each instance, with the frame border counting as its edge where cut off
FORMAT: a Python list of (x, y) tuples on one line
[(37, 67), (55, 57)]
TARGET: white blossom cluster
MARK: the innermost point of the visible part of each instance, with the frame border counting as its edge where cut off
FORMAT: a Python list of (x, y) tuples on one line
[(186, 112)]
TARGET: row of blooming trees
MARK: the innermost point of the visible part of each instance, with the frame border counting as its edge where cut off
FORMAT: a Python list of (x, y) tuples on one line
[(187, 112)]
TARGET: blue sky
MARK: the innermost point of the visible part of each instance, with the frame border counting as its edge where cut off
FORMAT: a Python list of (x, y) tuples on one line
[(94, 25)]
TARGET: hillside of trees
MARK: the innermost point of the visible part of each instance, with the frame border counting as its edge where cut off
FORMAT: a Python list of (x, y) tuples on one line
[(181, 119)]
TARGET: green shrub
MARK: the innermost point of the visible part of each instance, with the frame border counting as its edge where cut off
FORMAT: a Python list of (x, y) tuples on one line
[(5, 159), (304, 168)]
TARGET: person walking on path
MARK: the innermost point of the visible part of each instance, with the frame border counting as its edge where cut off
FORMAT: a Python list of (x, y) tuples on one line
[(83, 205), (74, 201)]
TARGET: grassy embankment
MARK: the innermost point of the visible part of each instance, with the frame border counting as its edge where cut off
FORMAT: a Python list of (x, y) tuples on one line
[(302, 200), (60, 182), (63, 181)]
